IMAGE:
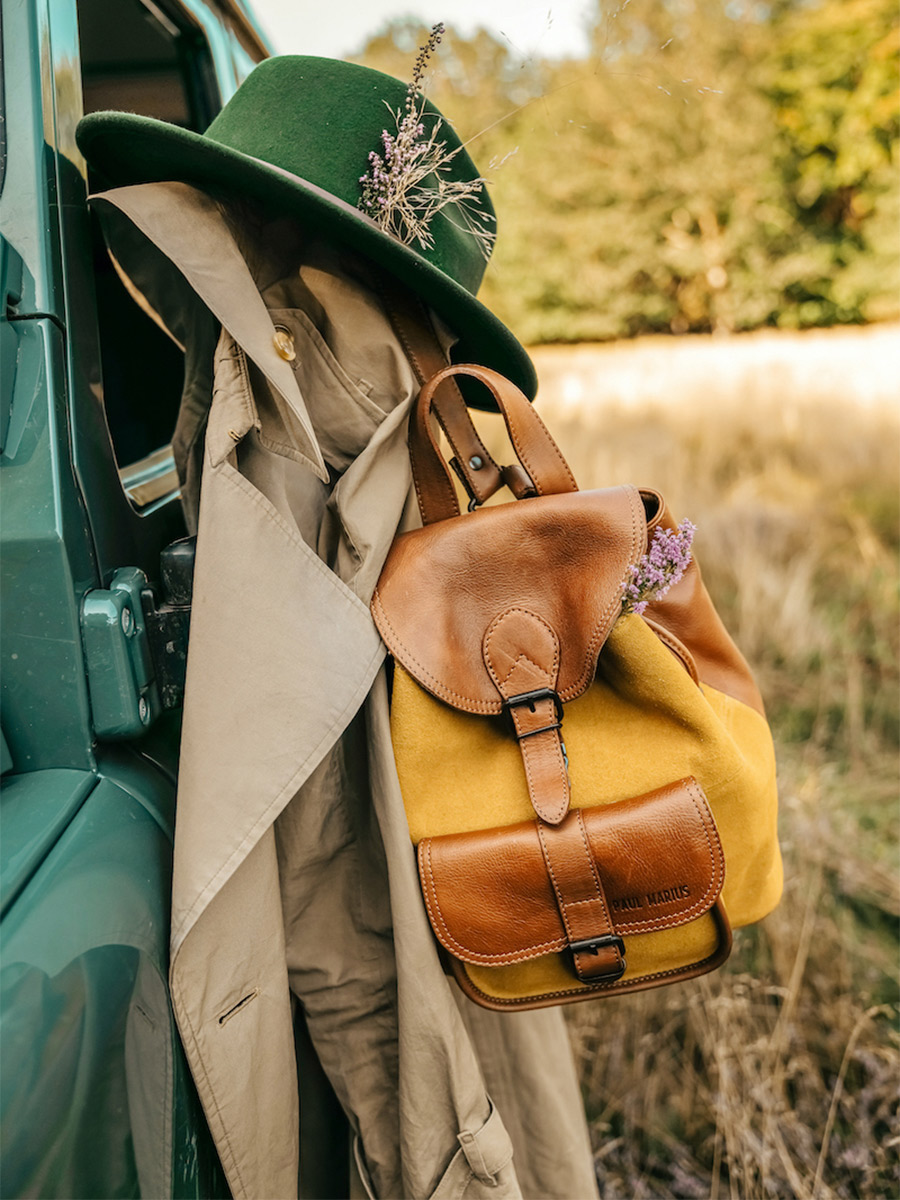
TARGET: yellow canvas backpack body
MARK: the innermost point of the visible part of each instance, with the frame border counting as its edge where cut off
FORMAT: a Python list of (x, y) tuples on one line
[(591, 793)]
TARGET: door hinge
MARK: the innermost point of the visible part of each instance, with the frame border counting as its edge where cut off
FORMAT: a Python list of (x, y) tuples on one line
[(136, 647), (124, 699)]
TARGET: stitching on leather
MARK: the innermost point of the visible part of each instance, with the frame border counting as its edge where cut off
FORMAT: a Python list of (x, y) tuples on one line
[(597, 987), (446, 484), (506, 959), (529, 752), (692, 791), (521, 453), (559, 899), (528, 659), (699, 908), (483, 377), (593, 865), (702, 806), (484, 707), (415, 476), (417, 371), (477, 442), (604, 625), (601, 895), (466, 703), (714, 887), (398, 321), (553, 671), (616, 600)]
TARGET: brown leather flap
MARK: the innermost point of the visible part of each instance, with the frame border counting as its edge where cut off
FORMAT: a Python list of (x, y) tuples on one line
[(491, 901), (560, 557)]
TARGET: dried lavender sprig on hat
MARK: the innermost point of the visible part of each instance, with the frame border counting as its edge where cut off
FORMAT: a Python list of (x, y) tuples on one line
[(659, 569), (394, 191)]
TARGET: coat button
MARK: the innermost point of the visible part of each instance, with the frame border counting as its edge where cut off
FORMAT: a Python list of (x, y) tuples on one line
[(284, 344)]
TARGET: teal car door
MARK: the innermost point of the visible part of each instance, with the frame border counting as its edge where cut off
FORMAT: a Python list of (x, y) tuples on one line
[(95, 1099)]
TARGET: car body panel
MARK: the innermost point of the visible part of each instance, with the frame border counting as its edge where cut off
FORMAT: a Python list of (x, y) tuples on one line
[(95, 1096), (37, 808)]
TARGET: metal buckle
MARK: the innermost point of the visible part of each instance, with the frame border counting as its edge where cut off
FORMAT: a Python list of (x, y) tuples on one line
[(531, 698), (595, 945)]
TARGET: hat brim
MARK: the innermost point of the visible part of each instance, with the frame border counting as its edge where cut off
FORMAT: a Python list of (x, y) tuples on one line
[(128, 149)]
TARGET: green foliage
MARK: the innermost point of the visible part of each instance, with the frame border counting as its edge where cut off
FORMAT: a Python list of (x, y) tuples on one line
[(834, 82), (704, 169)]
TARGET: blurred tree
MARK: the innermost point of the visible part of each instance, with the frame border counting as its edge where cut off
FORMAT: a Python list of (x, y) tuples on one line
[(475, 81), (645, 186), (711, 165), (834, 79)]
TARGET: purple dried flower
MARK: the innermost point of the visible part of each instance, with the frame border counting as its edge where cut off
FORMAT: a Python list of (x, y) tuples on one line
[(666, 560), (409, 182)]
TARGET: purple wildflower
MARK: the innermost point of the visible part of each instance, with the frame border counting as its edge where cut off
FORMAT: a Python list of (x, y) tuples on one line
[(660, 568), (383, 184), (409, 182)]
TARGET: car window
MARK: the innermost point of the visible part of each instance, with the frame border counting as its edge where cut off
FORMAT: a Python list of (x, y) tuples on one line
[(153, 59), (148, 60)]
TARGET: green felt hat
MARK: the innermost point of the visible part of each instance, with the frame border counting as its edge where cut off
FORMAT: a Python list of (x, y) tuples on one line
[(297, 135)]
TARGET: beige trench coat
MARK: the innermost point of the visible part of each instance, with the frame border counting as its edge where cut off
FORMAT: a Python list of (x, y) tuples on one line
[(295, 882)]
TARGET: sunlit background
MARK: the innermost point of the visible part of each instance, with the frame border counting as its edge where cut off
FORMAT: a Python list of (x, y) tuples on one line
[(687, 166), (340, 30), (699, 227)]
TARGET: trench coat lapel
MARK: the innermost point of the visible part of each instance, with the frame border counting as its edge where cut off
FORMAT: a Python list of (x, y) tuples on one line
[(189, 226), (253, 566), (305, 664)]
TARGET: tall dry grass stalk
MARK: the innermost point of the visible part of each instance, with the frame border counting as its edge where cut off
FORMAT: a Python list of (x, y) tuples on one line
[(777, 1077)]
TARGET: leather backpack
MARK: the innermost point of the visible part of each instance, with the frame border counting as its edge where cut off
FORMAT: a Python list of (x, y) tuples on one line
[(591, 793)]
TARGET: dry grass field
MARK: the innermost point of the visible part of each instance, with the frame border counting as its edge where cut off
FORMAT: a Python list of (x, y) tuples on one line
[(777, 1077)]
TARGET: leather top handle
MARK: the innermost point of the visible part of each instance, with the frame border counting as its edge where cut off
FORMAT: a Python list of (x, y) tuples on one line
[(412, 323), (543, 470)]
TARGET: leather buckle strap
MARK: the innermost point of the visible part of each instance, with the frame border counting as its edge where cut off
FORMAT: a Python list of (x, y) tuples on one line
[(521, 652), (610, 941), (478, 472), (598, 952), (531, 699)]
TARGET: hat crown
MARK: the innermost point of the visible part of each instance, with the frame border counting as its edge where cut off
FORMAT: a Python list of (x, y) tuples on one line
[(320, 118), (296, 137)]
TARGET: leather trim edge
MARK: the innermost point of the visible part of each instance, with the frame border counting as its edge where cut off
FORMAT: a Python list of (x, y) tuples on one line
[(598, 990)]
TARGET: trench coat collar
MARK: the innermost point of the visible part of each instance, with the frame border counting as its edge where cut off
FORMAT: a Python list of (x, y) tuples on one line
[(188, 226)]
